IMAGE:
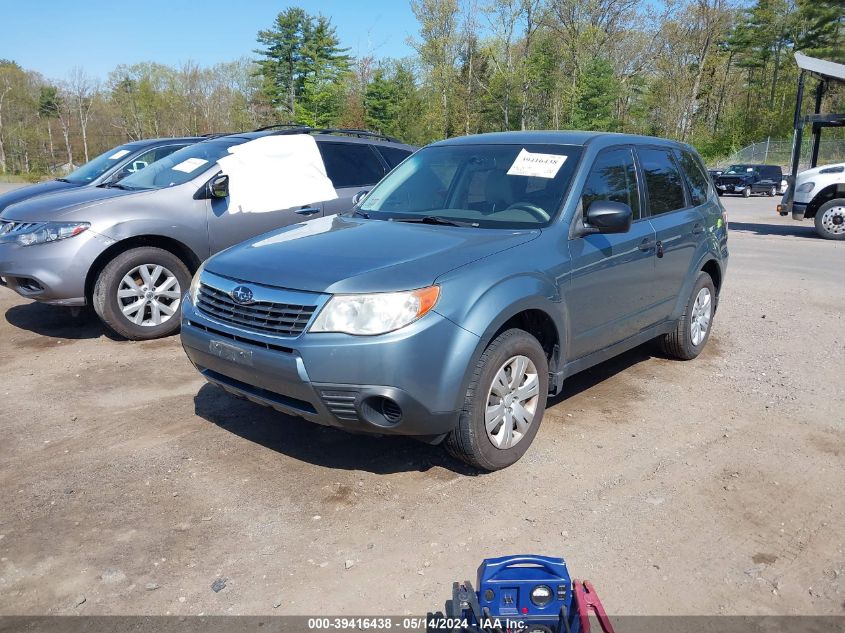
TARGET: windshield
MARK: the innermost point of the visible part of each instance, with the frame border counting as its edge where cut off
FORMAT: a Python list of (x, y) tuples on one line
[(738, 169), (181, 166), (93, 169), (488, 186)]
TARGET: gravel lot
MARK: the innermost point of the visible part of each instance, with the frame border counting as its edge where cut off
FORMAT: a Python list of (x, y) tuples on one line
[(129, 486)]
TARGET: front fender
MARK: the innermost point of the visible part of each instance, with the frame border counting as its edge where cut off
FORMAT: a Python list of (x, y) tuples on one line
[(483, 309)]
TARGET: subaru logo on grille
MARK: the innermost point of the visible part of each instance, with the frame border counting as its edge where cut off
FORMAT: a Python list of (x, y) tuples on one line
[(242, 295)]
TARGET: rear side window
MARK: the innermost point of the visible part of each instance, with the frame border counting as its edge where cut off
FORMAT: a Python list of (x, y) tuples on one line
[(393, 155), (351, 164), (613, 177), (663, 180), (699, 184)]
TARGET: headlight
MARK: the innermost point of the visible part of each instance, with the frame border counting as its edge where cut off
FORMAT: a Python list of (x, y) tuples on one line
[(541, 595), (807, 187), (376, 313), (45, 232), (195, 284)]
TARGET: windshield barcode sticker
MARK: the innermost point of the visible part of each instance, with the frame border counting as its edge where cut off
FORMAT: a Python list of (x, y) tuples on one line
[(189, 165), (119, 154), (536, 165)]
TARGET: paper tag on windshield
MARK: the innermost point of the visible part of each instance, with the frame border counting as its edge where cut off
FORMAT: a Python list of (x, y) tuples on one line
[(190, 164), (119, 154), (536, 165)]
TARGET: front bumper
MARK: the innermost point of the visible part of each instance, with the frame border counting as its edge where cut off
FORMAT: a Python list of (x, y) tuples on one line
[(797, 209), (408, 382), (54, 272), (731, 188)]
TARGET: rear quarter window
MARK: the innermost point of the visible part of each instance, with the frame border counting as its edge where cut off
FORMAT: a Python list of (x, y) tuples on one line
[(697, 180)]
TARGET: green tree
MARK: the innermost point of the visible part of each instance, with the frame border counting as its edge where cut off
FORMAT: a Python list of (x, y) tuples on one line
[(597, 90)]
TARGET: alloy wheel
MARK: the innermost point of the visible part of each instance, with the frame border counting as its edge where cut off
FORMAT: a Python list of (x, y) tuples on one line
[(512, 402), (702, 311), (149, 295)]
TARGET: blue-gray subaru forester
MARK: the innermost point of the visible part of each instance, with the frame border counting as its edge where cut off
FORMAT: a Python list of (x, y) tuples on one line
[(462, 290)]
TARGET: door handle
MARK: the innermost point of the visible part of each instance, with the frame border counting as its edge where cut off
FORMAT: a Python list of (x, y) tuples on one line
[(307, 210), (697, 229), (647, 244)]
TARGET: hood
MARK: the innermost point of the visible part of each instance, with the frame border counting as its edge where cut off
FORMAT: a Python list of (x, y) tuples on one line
[(348, 254), (40, 189), (815, 171), (63, 204)]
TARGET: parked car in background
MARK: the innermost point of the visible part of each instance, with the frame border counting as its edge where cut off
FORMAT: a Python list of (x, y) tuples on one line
[(108, 168), (129, 249), (819, 194), (748, 179), (467, 286)]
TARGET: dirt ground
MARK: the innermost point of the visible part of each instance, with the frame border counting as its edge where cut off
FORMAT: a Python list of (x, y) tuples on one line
[(129, 486)]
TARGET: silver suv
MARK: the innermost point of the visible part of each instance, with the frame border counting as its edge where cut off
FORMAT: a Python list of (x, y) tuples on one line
[(130, 249)]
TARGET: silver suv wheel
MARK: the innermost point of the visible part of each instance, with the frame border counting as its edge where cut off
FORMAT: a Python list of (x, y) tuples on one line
[(512, 402), (702, 310), (149, 295)]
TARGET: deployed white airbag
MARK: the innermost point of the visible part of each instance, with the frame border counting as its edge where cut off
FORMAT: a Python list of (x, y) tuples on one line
[(272, 173)]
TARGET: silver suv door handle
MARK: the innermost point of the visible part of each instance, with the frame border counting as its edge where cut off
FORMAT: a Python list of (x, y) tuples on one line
[(697, 229), (307, 210), (647, 244)]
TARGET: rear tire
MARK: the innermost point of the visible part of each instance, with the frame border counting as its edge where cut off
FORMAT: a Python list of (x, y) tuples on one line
[(471, 441), (693, 329), (138, 295), (830, 219), (746, 193)]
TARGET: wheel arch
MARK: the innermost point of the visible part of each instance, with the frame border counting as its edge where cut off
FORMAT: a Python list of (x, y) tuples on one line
[(177, 248), (831, 192)]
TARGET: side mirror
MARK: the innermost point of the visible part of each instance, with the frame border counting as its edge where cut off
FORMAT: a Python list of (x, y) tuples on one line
[(219, 186), (359, 196), (606, 216)]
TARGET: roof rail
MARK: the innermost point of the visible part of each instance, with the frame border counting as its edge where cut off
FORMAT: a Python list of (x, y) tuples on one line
[(216, 134), (276, 126), (293, 128)]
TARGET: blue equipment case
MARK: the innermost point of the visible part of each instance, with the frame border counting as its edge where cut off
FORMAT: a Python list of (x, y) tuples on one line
[(534, 594)]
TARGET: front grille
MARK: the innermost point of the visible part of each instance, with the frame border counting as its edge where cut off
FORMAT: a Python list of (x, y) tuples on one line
[(341, 403), (730, 181), (10, 226), (281, 319)]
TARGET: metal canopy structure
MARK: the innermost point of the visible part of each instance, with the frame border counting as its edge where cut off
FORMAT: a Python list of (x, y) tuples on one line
[(826, 73)]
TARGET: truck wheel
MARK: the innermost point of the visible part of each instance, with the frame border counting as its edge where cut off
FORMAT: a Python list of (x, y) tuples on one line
[(746, 193), (693, 328), (138, 294), (504, 404), (830, 219)]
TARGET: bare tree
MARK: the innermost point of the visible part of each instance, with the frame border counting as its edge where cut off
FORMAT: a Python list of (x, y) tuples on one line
[(82, 90)]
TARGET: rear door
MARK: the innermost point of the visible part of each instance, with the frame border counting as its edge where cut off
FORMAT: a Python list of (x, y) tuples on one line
[(677, 220), (608, 297), (352, 167)]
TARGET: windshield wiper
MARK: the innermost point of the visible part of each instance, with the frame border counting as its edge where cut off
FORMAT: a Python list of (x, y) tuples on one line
[(360, 213), (436, 219), (63, 180), (117, 185)]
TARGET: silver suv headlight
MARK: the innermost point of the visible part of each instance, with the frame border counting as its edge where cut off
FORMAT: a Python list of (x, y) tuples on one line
[(375, 313), (43, 232)]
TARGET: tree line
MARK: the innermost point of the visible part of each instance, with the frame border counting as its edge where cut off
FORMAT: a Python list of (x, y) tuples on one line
[(718, 74)]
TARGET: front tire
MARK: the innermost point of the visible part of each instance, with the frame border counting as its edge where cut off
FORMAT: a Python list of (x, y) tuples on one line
[(504, 403), (693, 328), (138, 294), (746, 193), (772, 192), (830, 219)]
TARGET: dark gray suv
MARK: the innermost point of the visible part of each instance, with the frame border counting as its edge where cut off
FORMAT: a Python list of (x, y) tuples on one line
[(466, 287)]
